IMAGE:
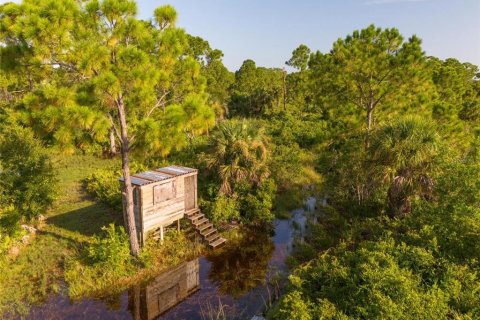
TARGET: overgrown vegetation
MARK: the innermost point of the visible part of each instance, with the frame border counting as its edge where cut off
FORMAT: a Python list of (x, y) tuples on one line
[(106, 266), (31, 272), (418, 266), (389, 245), (390, 136), (27, 182)]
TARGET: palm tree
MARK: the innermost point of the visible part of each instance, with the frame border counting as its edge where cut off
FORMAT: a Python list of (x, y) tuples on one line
[(405, 152), (238, 152)]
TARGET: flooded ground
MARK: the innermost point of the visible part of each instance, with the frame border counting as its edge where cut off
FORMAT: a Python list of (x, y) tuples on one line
[(237, 281)]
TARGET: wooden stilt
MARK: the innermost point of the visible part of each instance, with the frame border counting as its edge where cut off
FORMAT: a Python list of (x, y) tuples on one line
[(161, 233), (178, 225)]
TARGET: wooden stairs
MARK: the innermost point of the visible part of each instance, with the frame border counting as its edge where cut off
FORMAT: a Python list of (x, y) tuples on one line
[(205, 228)]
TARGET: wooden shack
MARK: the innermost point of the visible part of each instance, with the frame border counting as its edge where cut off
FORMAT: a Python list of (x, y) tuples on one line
[(161, 197)]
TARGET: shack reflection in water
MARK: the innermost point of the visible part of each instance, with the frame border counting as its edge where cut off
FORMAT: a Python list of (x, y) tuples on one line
[(165, 291)]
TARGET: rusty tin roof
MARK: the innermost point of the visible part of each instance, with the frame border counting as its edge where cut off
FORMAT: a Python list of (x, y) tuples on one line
[(151, 176)]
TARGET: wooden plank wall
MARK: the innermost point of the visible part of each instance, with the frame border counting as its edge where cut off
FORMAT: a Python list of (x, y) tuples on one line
[(163, 213)]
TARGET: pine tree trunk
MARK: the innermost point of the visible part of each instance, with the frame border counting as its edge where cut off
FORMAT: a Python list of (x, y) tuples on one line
[(128, 190), (369, 124), (113, 144), (369, 118)]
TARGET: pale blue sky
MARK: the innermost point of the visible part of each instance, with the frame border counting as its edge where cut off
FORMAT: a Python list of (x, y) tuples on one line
[(268, 30)]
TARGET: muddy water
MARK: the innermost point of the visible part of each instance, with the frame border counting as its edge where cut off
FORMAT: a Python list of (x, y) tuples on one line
[(237, 281)]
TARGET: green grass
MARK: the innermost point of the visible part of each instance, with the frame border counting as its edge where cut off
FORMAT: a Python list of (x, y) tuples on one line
[(38, 270)]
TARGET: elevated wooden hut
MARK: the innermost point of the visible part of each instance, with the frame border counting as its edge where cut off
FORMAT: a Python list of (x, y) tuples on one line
[(164, 196), (161, 197)]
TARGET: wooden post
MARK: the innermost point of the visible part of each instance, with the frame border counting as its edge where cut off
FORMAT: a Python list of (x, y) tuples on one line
[(178, 225), (161, 233)]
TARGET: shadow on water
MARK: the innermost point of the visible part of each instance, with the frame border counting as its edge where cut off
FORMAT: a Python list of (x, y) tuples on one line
[(235, 281)]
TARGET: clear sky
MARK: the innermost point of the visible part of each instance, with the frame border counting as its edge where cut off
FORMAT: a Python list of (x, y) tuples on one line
[(268, 30)]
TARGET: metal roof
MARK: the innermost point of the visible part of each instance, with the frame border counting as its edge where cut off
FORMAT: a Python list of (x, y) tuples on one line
[(151, 176)]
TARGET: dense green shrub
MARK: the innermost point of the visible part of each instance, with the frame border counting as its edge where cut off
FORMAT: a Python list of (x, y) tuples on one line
[(378, 280), (224, 209), (237, 163), (27, 179), (9, 228), (256, 203), (103, 184), (250, 205), (110, 248), (450, 224)]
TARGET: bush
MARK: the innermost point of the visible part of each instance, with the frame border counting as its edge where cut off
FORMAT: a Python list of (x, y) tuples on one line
[(249, 204), (104, 186), (10, 230), (256, 203), (112, 248), (238, 163), (294, 307), (379, 280), (224, 209), (102, 265), (27, 179)]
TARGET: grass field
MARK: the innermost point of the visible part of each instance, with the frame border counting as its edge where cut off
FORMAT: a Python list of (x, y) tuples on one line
[(38, 269)]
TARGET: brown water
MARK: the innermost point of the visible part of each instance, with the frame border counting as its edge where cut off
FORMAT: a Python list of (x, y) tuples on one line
[(238, 280)]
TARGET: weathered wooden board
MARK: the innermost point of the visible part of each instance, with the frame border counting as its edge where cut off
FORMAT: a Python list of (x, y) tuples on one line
[(190, 192), (163, 220), (163, 207), (164, 192)]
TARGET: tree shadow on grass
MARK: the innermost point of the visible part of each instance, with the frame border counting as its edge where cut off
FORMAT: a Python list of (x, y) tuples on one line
[(87, 220)]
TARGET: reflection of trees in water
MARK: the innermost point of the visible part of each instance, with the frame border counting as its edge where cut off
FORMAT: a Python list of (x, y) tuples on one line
[(242, 264)]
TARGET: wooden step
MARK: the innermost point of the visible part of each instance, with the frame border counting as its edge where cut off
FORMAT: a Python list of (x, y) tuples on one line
[(200, 222), (204, 227), (209, 232), (196, 217), (212, 238), (192, 212), (217, 243)]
